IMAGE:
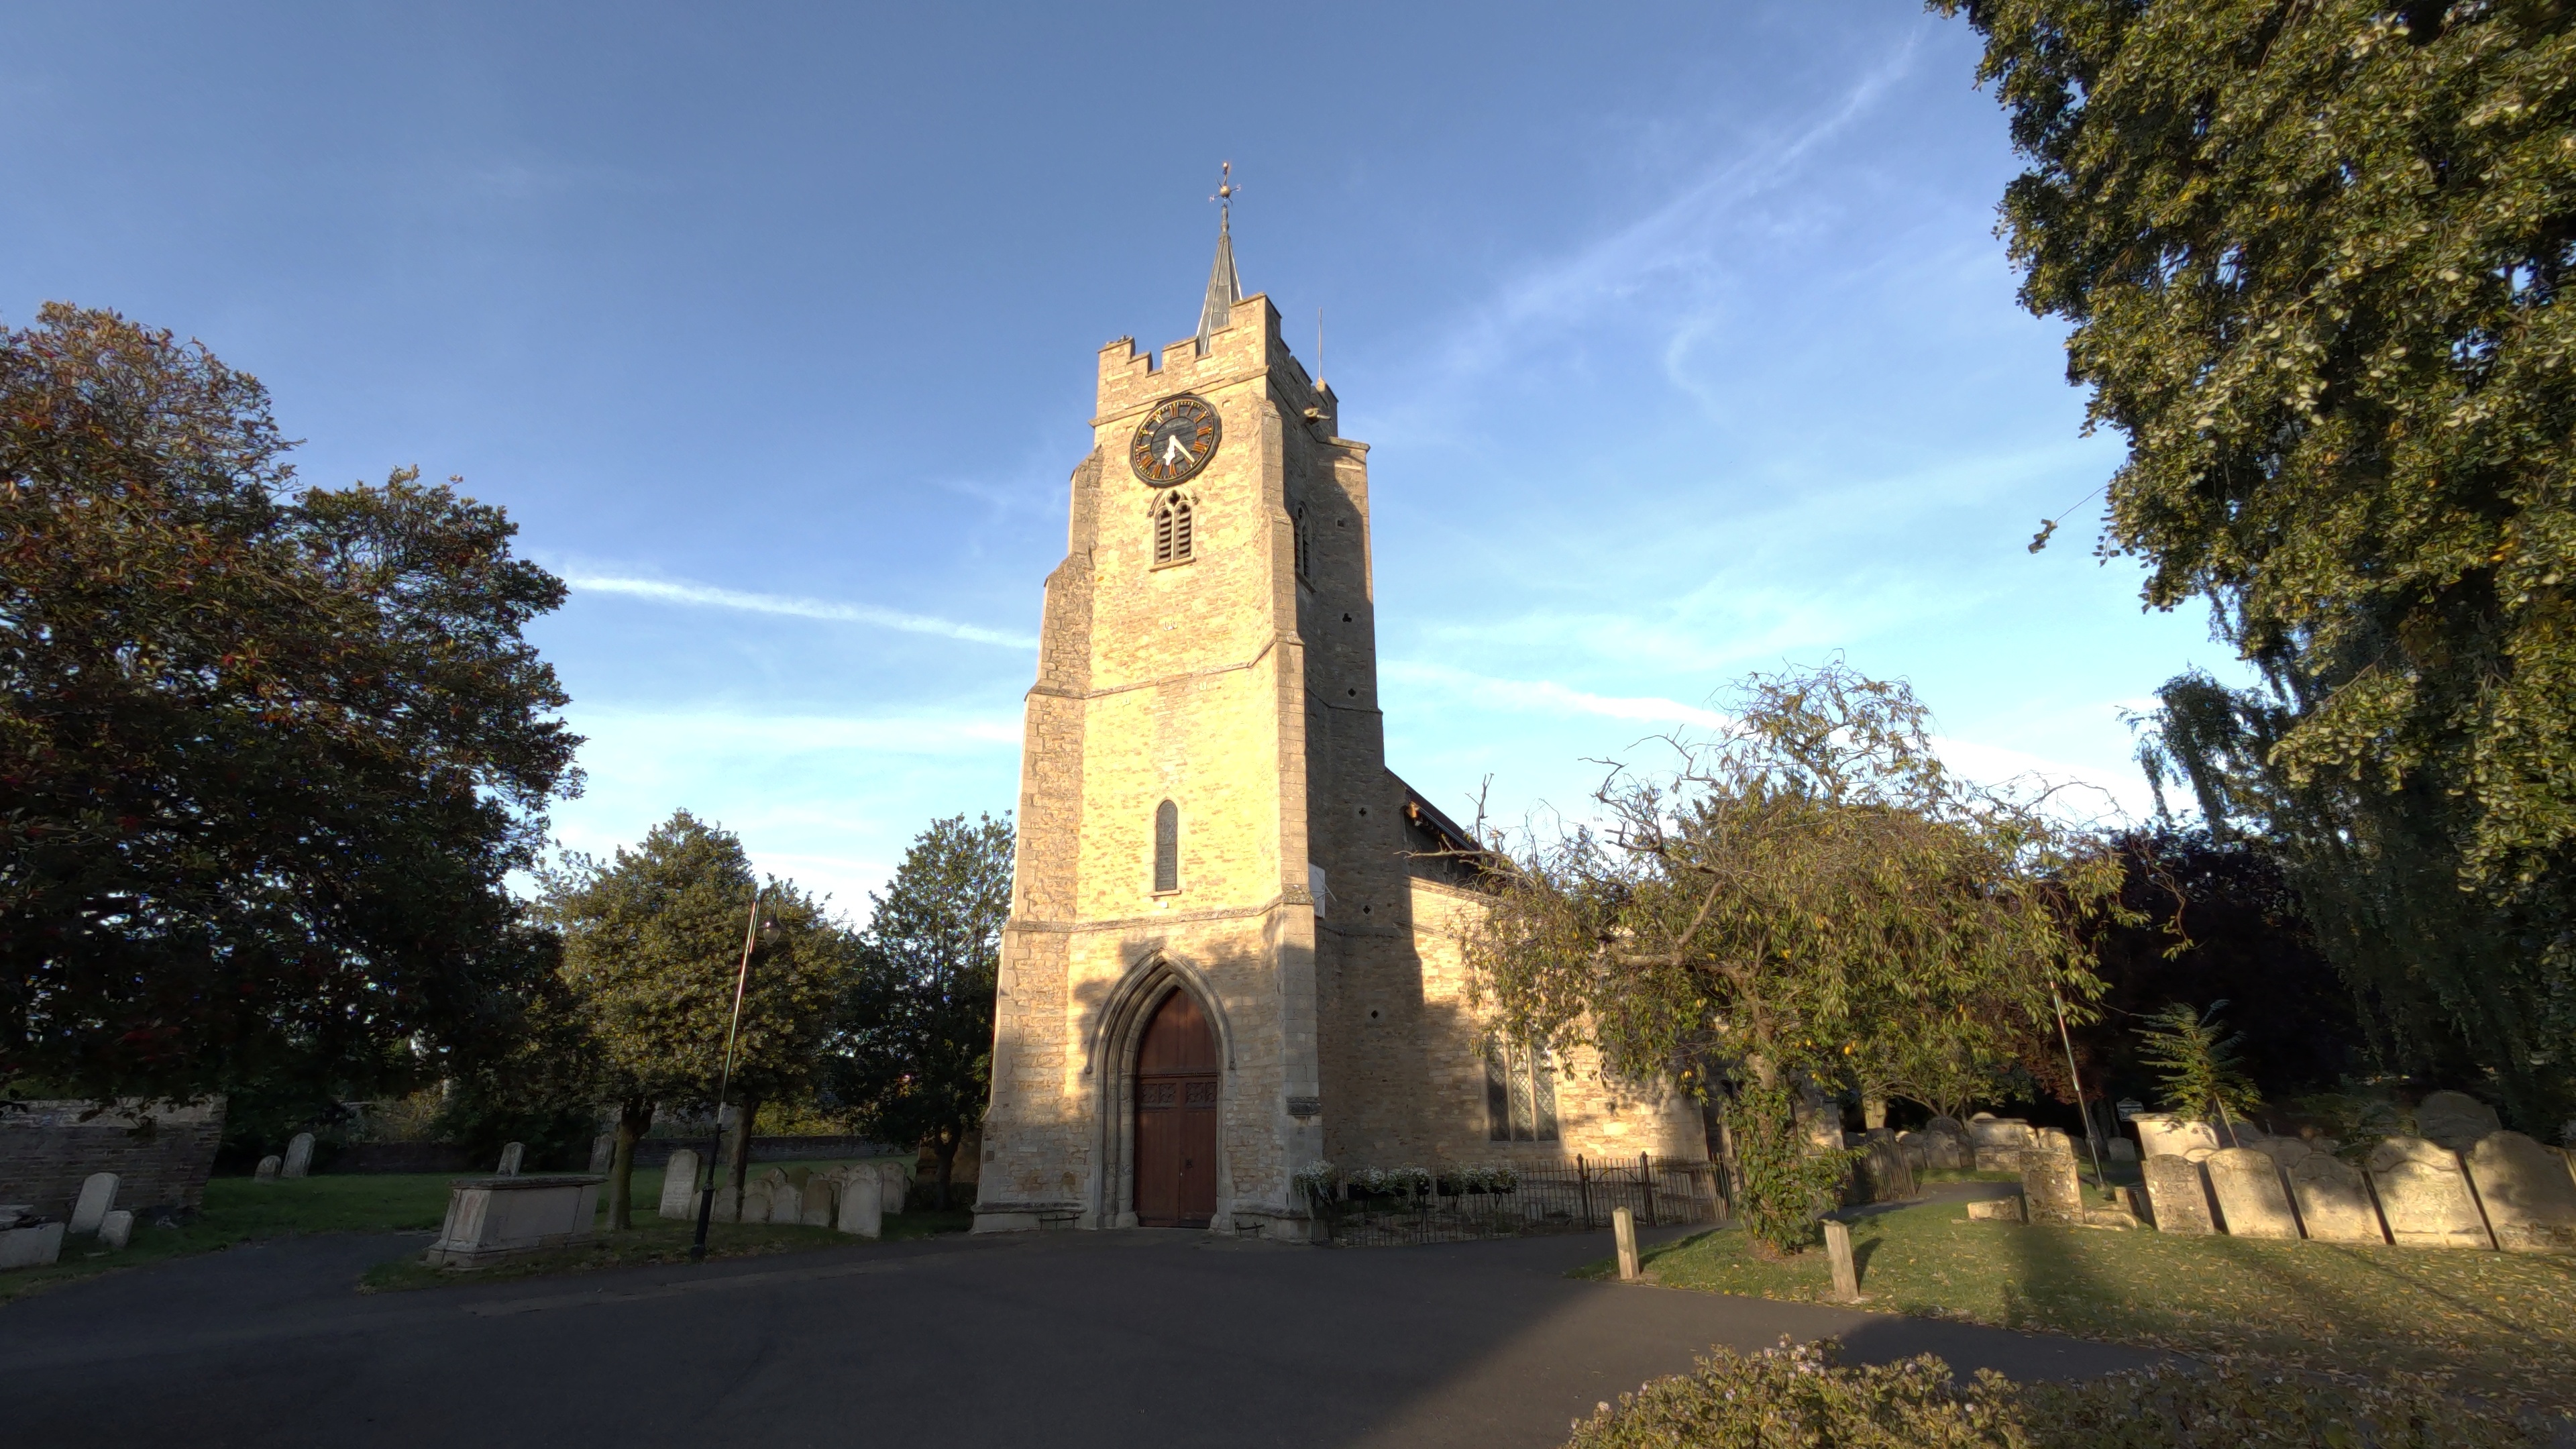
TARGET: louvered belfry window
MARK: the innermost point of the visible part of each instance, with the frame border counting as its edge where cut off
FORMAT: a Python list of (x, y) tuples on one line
[(1172, 530), (1167, 847), (1520, 1093)]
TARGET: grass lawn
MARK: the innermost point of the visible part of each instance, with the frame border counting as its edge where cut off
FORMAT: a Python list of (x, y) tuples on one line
[(2501, 1325), (241, 1210)]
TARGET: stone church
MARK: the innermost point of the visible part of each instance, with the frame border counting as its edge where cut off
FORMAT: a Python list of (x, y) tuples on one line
[(1235, 946)]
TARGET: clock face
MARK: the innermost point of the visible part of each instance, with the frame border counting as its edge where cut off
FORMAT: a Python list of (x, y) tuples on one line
[(1175, 441)]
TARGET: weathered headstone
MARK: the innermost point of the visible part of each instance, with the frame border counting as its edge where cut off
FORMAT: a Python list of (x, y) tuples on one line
[(898, 1184), (2199, 1154), (603, 1152), (2049, 1186), (299, 1156), (2123, 1150), (1884, 1170), (862, 1202), (2247, 1185), (2456, 1120), (680, 1185), (97, 1197), (2334, 1202), (1911, 1146), (818, 1203), (1999, 1142), (268, 1168), (512, 1154), (728, 1204), (1995, 1209), (760, 1196), (116, 1229), (1838, 1253), (2285, 1152), (2529, 1198), (2161, 1134), (2424, 1196), (2177, 1196)]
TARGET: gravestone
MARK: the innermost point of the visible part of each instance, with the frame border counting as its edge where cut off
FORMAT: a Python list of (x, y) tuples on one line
[(299, 1156), (2334, 1202), (2199, 1154), (680, 1185), (31, 1247), (1910, 1146), (728, 1203), (2050, 1190), (760, 1204), (2177, 1196), (1995, 1209), (2456, 1120), (862, 1202), (1889, 1178), (897, 1176), (603, 1152), (268, 1168), (2123, 1150), (116, 1229), (2247, 1185), (97, 1197), (2161, 1134), (1998, 1141), (512, 1154), (2424, 1196), (818, 1203), (2285, 1152), (2529, 1198)]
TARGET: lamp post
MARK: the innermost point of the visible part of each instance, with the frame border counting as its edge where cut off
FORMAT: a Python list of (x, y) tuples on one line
[(724, 1083)]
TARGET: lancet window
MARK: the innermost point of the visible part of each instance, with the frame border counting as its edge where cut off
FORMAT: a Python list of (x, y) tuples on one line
[(1520, 1093), (1174, 526), (1167, 847)]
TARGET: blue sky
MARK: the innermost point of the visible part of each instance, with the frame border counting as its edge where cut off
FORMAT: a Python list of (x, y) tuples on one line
[(1680, 333)]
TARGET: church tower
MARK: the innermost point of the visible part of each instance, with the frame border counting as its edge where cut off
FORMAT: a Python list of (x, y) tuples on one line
[(1233, 947)]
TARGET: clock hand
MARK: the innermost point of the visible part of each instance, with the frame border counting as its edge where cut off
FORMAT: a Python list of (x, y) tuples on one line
[(1175, 453)]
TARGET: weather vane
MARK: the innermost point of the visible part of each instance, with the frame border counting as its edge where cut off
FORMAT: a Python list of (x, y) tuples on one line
[(1225, 187)]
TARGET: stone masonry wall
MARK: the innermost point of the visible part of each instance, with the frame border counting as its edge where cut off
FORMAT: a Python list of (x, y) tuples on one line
[(46, 1152)]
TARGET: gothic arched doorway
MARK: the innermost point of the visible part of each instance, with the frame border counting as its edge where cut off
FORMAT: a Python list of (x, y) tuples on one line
[(1176, 1091)]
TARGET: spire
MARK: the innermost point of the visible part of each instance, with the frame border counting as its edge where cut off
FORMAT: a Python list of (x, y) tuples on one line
[(1224, 288)]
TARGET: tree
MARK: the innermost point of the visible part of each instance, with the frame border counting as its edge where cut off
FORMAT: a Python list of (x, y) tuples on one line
[(653, 940), (913, 1053), (1802, 898), (2313, 256), (266, 756), (2199, 1066)]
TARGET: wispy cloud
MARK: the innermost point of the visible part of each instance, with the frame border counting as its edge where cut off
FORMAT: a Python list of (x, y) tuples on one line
[(710, 597), (1542, 696)]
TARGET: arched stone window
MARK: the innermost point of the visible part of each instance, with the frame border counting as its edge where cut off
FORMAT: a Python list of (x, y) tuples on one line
[(1167, 847), (1173, 527), (1520, 1093)]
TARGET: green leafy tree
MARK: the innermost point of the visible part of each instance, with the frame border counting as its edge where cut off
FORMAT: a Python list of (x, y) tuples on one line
[(1801, 898), (913, 1053), (266, 756), (652, 942), (2313, 256), (2198, 1064)]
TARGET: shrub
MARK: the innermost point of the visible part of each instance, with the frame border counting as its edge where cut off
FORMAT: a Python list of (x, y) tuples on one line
[(1797, 1395)]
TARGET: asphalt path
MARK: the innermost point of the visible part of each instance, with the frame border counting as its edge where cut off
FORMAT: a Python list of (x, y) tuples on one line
[(1132, 1339)]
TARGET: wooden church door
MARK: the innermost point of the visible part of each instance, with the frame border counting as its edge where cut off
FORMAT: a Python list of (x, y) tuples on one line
[(1176, 1077)]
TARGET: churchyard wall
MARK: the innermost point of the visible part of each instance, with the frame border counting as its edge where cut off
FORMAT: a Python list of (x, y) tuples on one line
[(47, 1151)]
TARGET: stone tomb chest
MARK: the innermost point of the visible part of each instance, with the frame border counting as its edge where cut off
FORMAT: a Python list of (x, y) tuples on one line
[(492, 1218)]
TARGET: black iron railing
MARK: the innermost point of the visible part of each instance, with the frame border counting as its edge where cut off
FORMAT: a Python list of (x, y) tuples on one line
[(1554, 1197)]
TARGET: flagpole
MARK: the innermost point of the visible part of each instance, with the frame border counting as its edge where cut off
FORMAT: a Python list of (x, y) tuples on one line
[(724, 1082)]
